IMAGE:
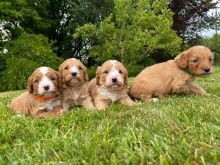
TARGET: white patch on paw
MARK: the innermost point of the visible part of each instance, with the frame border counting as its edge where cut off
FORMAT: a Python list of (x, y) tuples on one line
[(155, 100), (18, 115)]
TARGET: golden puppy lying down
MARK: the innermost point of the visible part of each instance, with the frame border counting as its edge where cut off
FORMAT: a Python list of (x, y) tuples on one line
[(174, 76), (110, 85), (43, 98)]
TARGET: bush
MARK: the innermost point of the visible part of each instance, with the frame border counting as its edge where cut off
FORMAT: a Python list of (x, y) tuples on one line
[(25, 54), (213, 44), (135, 69), (92, 72), (16, 73), (133, 31)]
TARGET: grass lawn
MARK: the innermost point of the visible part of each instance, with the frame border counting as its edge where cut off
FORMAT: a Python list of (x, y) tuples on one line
[(175, 130)]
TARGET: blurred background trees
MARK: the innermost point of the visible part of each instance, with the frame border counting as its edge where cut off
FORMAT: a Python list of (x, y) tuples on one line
[(214, 44), (26, 53), (139, 33), (131, 33), (191, 17)]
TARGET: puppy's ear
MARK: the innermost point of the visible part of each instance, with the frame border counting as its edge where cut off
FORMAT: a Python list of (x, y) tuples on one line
[(30, 85), (98, 74), (126, 78), (86, 77), (59, 79), (182, 59)]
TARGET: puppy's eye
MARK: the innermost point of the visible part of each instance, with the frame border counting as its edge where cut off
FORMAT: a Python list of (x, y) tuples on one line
[(53, 78), (36, 81), (120, 71), (195, 60), (66, 68), (210, 59), (80, 68), (105, 72)]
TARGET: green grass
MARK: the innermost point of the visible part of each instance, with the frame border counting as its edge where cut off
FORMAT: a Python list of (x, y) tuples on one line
[(175, 130)]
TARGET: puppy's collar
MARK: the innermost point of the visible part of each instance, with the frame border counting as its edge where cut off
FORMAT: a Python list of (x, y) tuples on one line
[(42, 98)]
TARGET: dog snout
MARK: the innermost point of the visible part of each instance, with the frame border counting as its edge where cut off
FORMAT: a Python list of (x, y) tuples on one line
[(114, 80), (46, 88), (74, 74), (207, 70)]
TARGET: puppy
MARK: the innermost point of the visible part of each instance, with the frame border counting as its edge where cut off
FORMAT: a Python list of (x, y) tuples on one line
[(174, 76), (110, 85), (75, 84), (43, 98)]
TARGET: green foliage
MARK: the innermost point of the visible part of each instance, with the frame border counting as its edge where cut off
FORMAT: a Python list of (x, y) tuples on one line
[(17, 16), (132, 32), (214, 44), (135, 69), (54, 19), (92, 72), (15, 76), (174, 130), (25, 54)]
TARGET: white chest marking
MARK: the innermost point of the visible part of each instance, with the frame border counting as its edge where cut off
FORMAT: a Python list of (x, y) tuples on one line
[(49, 105), (110, 95), (75, 93)]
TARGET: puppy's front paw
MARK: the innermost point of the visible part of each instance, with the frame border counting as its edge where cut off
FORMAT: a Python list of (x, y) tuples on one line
[(90, 107), (128, 102), (100, 105), (60, 112), (154, 100), (202, 92), (100, 108)]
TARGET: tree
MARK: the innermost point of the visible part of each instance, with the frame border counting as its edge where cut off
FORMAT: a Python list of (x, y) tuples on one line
[(17, 16), (135, 30), (214, 44), (74, 13), (26, 53), (56, 19), (191, 17)]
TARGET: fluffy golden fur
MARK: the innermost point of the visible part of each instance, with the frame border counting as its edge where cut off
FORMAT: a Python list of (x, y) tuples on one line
[(110, 85), (174, 76), (75, 84), (43, 98)]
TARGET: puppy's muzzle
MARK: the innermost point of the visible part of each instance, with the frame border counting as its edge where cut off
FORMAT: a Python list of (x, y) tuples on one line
[(206, 70), (46, 88), (74, 74), (114, 80)]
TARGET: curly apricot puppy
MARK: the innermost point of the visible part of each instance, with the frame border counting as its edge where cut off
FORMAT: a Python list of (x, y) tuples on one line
[(43, 98), (174, 76), (110, 85), (75, 84)]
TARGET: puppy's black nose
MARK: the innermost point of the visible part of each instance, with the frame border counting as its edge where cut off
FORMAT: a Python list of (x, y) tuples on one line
[(114, 80), (206, 69), (74, 74), (46, 88)]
